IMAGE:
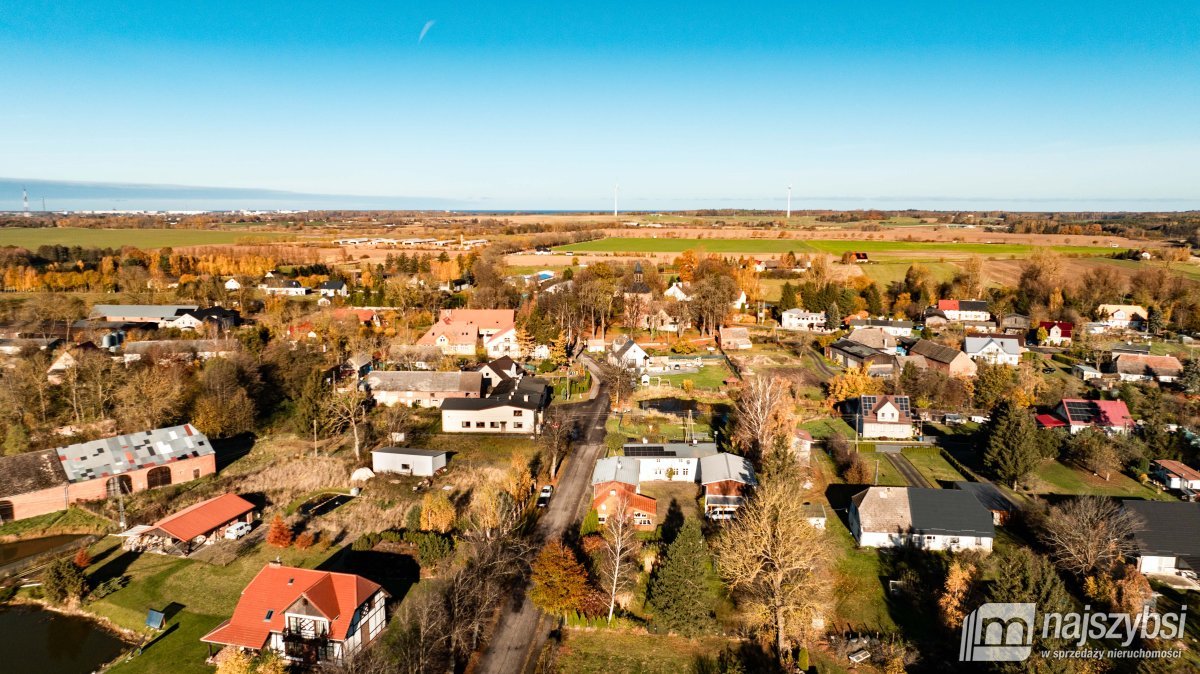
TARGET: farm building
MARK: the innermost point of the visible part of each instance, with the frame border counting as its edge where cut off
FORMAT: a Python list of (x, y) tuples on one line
[(407, 461), (196, 525), (36, 483)]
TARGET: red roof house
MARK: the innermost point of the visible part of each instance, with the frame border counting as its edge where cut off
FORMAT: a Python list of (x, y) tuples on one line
[(305, 615), (1057, 332), (1077, 414), (178, 532)]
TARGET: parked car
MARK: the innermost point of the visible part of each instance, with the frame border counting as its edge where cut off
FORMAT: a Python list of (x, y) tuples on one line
[(237, 530), (544, 497)]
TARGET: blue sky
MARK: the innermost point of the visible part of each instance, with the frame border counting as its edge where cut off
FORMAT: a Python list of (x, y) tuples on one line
[(547, 105)]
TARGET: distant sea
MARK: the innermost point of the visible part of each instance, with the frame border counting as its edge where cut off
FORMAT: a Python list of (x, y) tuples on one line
[(90, 196)]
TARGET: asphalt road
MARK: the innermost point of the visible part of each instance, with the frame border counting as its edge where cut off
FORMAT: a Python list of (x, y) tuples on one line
[(908, 471), (521, 630)]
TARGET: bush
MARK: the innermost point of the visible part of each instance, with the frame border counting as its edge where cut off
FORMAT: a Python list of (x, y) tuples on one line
[(280, 534), (63, 581), (590, 524), (305, 541), (108, 587), (366, 542), (392, 536), (83, 559), (430, 547)]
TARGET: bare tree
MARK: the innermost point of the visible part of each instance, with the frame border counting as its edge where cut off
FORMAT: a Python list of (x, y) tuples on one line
[(348, 409), (774, 563), (1088, 533), (151, 397), (620, 549), (764, 411), (619, 379), (636, 309), (555, 437)]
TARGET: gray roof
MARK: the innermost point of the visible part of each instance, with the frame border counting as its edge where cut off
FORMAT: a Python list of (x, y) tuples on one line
[(856, 349), (408, 451), (934, 351), (721, 467), (879, 323), (125, 453), (1009, 345), (873, 337), (675, 449), (424, 381), (480, 404), (989, 495), (148, 311), (1166, 529), (943, 512), (615, 469), (31, 471)]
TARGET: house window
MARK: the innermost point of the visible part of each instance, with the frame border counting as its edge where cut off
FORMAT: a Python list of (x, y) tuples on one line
[(495, 424), (517, 424), (195, 473), (270, 613), (466, 424), (517, 413), (478, 424)]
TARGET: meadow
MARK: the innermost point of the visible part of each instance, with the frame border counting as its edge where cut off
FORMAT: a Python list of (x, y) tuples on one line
[(31, 238), (920, 249)]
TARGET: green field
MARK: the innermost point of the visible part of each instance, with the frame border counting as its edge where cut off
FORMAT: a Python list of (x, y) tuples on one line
[(834, 247), (1054, 477), (115, 238), (605, 651), (935, 468)]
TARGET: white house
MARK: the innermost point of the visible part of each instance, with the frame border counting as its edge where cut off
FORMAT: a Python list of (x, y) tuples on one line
[(929, 519), (628, 353), (1166, 535), (964, 310), (333, 289), (1122, 316), (669, 461), (503, 343), (882, 416), (407, 461), (679, 291), (286, 287), (233, 284), (892, 327), (513, 406), (1086, 372), (799, 319), (422, 388), (993, 349), (1175, 474)]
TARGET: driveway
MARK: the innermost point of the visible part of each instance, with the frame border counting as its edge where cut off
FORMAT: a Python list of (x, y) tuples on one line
[(522, 628), (908, 471)]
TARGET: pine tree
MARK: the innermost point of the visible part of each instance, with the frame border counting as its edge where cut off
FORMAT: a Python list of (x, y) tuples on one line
[(833, 316), (1190, 381), (874, 300), (787, 298), (679, 591), (280, 534), (1013, 448)]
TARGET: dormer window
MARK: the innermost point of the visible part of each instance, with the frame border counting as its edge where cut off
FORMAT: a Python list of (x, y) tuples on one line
[(269, 615)]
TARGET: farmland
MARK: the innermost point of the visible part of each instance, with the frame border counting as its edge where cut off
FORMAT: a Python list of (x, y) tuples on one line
[(115, 238), (897, 249)]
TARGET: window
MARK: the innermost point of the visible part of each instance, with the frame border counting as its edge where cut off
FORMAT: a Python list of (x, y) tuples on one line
[(158, 477), (466, 424), (478, 424), (517, 424), (495, 424), (517, 413), (405, 466), (267, 618), (6, 511), (195, 473)]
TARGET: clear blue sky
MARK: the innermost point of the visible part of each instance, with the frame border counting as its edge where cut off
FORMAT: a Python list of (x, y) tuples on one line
[(528, 104)]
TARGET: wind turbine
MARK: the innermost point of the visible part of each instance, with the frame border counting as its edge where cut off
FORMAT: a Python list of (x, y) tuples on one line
[(616, 193), (789, 202)]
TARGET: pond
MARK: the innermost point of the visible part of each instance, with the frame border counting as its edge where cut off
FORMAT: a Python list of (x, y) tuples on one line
[(37, 641), (11, 552)]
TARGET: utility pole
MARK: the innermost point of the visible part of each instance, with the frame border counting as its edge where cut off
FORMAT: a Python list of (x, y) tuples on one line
[(616, 194), (789, 203)]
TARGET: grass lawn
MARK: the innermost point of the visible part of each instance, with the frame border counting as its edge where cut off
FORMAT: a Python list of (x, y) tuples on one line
[(859, 594), (888, 475), (709, 376), (607, 651), (657, 428), (1054, 477), (935, 468), (682, 493), (823, 428), (833, 247), (477, 449), (886, 273), (196, 596), (71, 521), (115, 238)]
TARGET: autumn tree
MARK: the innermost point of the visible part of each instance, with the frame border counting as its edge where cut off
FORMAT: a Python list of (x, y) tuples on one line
[(621, 546), (280, 534), (1088, 533), (852, 383), (234, 661), (437, 512), (152, 397), (555, 438), (560, 583), (223, 408), (680, 593), (348, 410), (773, 562), (83, 559), (619, 378), (764, 411), (960, 577), (1094, 450)]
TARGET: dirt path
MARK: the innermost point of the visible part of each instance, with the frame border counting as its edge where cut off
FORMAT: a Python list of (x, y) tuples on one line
[(908, 471)]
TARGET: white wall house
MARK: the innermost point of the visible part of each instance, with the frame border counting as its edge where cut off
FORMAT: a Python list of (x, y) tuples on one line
[(1166, 535), (993, 350), (883, 416), (799, 319), (407, 461), (929, 519)]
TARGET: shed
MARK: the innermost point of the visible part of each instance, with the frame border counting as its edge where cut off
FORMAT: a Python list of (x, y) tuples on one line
[(201, 522), (408, 461)]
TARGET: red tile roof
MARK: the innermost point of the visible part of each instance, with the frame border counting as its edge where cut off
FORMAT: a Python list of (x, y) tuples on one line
[(204, 516), (1063, 327), (947, 305), (335, 595)]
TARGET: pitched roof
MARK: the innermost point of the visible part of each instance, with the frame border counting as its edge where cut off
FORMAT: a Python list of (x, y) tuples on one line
[(181, 346), (1179, 469), (856, 349), (424, 381), (872, 404), (1131, 312), (669, 449), (1064, 327), (1107, 413), (735, 333), (989, 495), (1008, 345), (875, 338), (615, 469), (260, 610), (487, 319), (721, 467), (124, 453), (1166, 529), (204, 516), (148, 311), (879, 323), (962, 305), (1150, 366), (944, 512), (934, 351), (30, 471)]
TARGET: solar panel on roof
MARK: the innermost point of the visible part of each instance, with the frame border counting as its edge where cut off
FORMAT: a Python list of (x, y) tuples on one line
[(647, 450)]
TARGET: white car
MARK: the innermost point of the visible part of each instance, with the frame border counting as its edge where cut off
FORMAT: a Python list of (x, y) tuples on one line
[(543, 499), (237, 530)]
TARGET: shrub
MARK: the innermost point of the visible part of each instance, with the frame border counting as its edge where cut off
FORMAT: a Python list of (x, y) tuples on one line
[(108, 587), (83, 559), (305, 541), (430, 547), (392, 536), (63, 581), (590, 524), (366, 542)]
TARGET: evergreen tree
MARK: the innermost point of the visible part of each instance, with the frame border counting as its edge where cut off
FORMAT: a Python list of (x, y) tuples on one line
[(679, 592), (833, 316), (1154, 320), (1013, 447), (1023, 576), (1190, 381), (874, 300), (787, 298)]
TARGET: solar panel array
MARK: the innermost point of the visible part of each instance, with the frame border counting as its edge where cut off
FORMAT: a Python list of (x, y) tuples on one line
[(647, 450), (1081, 411)]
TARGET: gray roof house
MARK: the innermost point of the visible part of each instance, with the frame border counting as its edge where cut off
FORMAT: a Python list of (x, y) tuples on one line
[(931, 519), (1166, 535)]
